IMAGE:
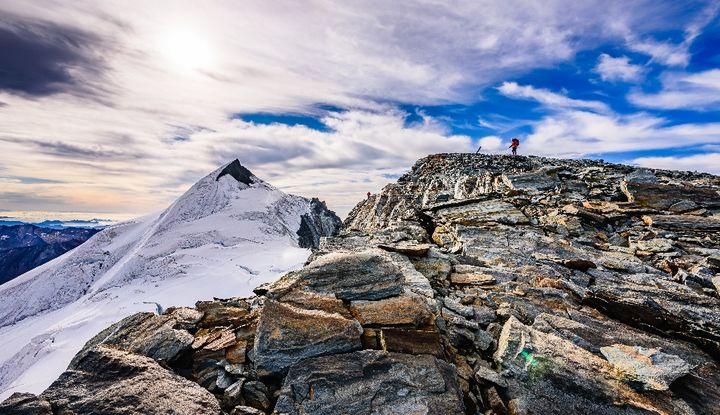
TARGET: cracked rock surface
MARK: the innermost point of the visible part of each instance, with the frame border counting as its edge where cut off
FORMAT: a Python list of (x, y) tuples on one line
[(473, 285)]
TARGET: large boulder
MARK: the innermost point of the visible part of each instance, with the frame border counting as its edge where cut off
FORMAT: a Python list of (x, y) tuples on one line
[(347, 276), (661, 305), (371, 382), (551, 375), (115, 382), (144, 333)]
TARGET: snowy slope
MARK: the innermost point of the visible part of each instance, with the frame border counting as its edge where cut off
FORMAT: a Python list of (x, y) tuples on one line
[(227, 234)]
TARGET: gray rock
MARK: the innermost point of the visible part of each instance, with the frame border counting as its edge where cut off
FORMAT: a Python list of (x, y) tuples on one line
[(543, 179), (652, 368), (143, 333), (483, 340), (286, 335), (371, 382), (650, 301), (224, 380), (470, 213), (115, 382), (232, 396), (488, 375), (565, 378), (484, 315), (349, 276), (246, 410), (25, 404), (654, 245), (255, 394), (319, 222), (457, 307), (587, 329)]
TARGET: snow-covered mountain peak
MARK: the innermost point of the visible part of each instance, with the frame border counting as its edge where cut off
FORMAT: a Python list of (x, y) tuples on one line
[(228, 233)]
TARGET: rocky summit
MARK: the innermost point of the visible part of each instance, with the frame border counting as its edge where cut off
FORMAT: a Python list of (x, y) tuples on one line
[(474, 285)]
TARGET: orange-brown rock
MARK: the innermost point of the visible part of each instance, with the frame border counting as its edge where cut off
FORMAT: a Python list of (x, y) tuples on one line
[(405, 310), (313, 301), (287, 334), (472, 279), (236, 353)]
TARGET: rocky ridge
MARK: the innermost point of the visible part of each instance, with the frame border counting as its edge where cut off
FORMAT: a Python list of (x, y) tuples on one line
[(475, 284)]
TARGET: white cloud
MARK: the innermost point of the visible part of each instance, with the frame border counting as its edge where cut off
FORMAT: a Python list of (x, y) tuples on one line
[(675, 54), (490, 143), (573, 131), (548, 98), (700, 162), (664, 53), (697, 91), (487, 124), (576, 133), (617, 69)]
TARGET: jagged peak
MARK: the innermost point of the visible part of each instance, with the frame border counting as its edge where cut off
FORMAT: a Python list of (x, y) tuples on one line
[(238, 172)]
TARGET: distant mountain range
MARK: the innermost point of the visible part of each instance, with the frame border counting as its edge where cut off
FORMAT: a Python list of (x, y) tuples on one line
[(59, 224), (24, 246)]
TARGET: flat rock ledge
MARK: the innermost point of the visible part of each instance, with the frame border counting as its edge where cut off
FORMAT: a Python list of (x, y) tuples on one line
[(473, 285)]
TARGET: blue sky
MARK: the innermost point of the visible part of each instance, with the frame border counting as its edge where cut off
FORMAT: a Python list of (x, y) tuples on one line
[(610, 74), (103, 103)]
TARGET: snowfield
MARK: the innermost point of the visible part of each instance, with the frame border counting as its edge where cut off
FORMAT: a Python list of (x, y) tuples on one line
[(221, 239)]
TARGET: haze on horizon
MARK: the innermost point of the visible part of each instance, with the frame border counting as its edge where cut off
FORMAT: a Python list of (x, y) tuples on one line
[(113, 108)]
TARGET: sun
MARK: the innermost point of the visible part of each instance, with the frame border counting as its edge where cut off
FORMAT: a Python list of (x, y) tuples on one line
[(186, 50)]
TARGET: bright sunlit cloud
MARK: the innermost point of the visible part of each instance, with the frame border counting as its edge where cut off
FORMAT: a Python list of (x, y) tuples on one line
[(186, 50)]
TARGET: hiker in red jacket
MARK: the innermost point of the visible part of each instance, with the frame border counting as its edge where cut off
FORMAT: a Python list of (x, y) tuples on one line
[(514, 144)]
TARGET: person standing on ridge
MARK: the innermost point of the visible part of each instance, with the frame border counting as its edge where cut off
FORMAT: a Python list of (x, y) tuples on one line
[(514, 144)]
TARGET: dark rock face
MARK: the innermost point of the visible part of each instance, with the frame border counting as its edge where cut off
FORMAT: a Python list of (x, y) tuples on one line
[(475, 284), (24, 247), (238, 172), (320, 222), (371, 382)]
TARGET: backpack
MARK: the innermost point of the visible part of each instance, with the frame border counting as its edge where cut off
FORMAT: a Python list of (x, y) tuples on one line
[(515, 142)]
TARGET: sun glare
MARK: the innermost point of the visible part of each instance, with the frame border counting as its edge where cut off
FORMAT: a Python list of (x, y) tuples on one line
[(185, 50)]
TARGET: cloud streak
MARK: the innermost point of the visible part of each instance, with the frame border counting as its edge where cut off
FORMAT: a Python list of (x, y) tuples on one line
[(548, 98), (39, 58), (699, 91)]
